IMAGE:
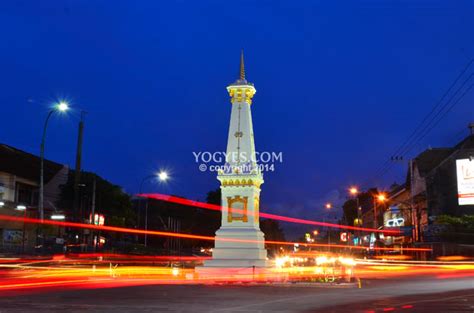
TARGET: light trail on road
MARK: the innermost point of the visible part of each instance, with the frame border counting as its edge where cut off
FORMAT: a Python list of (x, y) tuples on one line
[(81, 271), (214, 207), (188, 236)]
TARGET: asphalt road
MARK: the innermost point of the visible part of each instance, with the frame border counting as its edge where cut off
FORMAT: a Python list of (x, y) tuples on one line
[(420, 295)]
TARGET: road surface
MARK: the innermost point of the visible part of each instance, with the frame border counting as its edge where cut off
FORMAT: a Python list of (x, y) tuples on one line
[(398, 295)]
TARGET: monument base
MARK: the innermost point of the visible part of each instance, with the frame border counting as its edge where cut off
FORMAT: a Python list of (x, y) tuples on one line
[(239, 255), (237, 263), (225, 272), (238, 247)]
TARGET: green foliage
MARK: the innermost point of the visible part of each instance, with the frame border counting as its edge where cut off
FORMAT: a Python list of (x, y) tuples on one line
[(350, 211), (365, 200), (214, 197), (273, 232), (463, 223)]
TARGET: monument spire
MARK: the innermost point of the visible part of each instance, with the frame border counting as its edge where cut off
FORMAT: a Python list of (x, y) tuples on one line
[(242, 67), (240, 178)]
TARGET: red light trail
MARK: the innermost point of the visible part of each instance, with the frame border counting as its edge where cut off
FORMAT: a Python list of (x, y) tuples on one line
[(202, 205), (181, 235)]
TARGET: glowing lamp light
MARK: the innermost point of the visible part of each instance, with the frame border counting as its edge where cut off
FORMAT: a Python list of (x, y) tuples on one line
[(58, 217), (63, 106), (328, 205), (281, 261), (175, 271), (21, 207), (163, 176), (381, 197), (353, 191)]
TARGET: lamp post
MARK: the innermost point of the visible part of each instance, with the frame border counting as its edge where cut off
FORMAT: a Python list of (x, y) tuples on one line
[(162, 176), (328, 207), (60, 107), (354, 191), (378, 198)]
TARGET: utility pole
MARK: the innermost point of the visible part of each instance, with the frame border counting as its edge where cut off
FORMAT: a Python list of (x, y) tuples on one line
[(93, 211), (77, 173), (414, 216)]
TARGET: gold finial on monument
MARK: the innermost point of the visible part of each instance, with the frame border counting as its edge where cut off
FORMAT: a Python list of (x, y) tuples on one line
[(241, 89), (242, 67)]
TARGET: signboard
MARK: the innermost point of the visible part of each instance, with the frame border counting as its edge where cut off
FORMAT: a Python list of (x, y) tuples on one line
[(97, 219), (343, 237), (395, 222), (465, 179), (12, 236)]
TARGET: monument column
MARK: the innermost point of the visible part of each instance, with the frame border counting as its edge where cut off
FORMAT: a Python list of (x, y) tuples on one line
[(240, 180)]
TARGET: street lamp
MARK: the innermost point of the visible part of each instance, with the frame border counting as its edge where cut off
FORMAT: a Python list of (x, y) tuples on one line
[(60, 107), (354, 191), (328, 206), (162, 176), (381, 197)]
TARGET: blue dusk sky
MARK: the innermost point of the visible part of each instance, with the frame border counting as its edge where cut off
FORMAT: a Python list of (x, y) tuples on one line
[(340, 85)]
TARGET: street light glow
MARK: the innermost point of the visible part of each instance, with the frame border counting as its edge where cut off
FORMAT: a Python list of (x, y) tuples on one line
[(353, 190), (62, 106), (328, 205), (163, 176), (381, 197)]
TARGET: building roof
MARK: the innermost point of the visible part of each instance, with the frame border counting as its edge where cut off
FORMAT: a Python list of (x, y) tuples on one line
[(26, 165), (466, 143), (430, 158)]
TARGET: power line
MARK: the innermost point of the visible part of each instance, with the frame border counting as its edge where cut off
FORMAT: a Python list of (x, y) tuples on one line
[(419, 132), (423, 135)]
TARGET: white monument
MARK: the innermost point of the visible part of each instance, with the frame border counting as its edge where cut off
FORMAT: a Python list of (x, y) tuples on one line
[(240, 185)]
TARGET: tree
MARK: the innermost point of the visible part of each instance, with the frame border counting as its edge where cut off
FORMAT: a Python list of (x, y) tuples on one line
[(460, 229), (365, 200), (350, 211), (214, 197), (273, 232), (110, 200), (210, 219)]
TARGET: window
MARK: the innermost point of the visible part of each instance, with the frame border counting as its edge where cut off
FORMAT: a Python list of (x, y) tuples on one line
[(26, 194)]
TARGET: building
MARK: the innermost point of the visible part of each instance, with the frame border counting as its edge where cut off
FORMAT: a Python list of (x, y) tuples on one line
[(19, 189), (437, 186)]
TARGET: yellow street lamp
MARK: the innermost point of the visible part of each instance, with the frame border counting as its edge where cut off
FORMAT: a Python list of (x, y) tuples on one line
[(353, 191)]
